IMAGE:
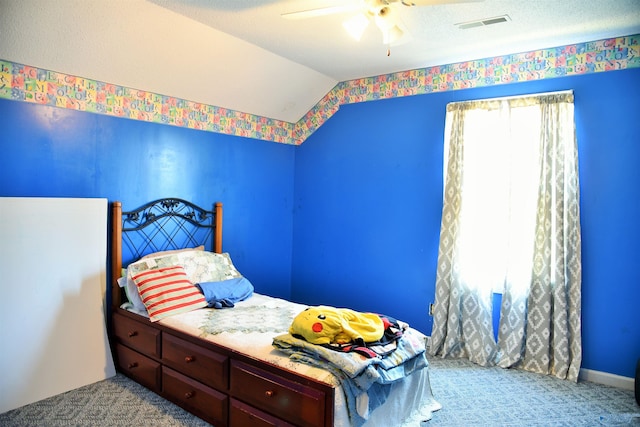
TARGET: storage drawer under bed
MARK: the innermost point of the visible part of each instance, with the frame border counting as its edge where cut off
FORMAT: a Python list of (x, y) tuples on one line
[(137, 335), (243, 415), (197, 398), (202, 364), (297, 403), (141, 368)]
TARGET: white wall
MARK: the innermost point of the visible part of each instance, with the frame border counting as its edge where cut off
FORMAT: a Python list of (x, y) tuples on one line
[(52, 297)]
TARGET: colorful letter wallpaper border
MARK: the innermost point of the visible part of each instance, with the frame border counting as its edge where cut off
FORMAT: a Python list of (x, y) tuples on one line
[(29, 84)]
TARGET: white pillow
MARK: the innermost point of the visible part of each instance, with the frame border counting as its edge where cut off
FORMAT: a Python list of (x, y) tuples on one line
[(203, 266), (172, 251), (131, 290), (200, 266)]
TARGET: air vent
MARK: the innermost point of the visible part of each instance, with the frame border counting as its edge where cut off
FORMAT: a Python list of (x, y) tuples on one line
[(483, 22)]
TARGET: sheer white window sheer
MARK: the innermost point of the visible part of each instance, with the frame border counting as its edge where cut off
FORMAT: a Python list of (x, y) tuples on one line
[(510, 224)]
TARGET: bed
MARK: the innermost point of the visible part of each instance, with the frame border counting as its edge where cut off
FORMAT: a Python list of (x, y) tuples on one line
[(219, 359)]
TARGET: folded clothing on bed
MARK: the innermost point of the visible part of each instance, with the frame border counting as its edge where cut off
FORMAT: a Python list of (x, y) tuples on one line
[(226, 292), (365, 381)]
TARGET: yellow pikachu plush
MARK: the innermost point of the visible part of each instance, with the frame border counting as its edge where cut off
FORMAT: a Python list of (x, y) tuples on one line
[(330, 325)]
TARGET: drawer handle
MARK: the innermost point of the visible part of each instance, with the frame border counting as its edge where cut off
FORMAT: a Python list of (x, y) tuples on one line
[(189, 359), (133, 365), (269, 393), (188, 395), (133, 334)]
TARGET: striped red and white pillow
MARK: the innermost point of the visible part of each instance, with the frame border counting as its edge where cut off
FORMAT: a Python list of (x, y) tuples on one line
[(167, 291)]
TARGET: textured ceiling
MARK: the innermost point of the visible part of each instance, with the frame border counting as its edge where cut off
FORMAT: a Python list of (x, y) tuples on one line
[(242, 55)]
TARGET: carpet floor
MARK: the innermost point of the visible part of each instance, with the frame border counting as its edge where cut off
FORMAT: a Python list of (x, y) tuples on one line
[(470, 396)]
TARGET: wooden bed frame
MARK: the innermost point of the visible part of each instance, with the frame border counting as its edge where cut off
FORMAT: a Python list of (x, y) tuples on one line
[(220, 385)]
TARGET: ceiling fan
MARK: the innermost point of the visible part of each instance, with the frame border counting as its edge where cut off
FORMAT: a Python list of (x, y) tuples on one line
[(381, 12)]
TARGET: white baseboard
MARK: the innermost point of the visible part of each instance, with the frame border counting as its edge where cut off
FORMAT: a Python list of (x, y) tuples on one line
[(605, 378)]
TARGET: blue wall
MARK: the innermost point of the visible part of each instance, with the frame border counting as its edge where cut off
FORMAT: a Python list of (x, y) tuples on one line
[(52, 152), (368, 200), (351, 217)]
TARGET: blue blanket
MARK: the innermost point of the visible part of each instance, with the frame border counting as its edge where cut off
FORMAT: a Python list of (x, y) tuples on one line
[(365, 381), (227, 292)]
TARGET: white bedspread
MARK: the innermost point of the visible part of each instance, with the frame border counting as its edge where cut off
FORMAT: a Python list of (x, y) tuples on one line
[(250, 328)]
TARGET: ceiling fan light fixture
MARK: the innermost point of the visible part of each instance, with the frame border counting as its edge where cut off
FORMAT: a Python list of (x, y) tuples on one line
[(387, 21), (392, 35), (385, 18), (356, 26)]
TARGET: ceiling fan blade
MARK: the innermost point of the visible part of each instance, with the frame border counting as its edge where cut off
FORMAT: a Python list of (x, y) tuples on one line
[(435, 2), (312, 13)]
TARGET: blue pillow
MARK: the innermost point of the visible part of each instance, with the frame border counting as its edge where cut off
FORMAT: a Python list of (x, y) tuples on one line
[(226, 292)]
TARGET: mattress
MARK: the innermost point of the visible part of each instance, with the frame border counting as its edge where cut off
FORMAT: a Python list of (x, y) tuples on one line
[(250, 327)]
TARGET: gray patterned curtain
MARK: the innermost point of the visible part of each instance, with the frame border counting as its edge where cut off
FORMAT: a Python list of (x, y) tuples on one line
[(528, 249)]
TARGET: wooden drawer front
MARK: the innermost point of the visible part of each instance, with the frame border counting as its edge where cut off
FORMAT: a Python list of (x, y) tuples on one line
[(297, 403), (140, 336), (144, 370), (205, 365), (243, 415), (203, 401)]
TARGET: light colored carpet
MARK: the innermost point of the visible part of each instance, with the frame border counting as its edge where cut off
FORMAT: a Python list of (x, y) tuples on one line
[(470, 396), (476, 396)]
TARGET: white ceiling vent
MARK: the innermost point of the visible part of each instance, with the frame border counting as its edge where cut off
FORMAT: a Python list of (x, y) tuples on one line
[(483, 22)]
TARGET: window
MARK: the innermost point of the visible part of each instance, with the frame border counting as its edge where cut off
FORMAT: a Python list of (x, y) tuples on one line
[(500, 172), (511, 224)]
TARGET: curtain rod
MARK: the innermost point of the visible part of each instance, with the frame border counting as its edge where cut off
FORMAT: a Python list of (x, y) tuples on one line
[(506, 98)]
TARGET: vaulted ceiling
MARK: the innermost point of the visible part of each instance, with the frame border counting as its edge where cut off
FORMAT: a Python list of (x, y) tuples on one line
[(244, 55)]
